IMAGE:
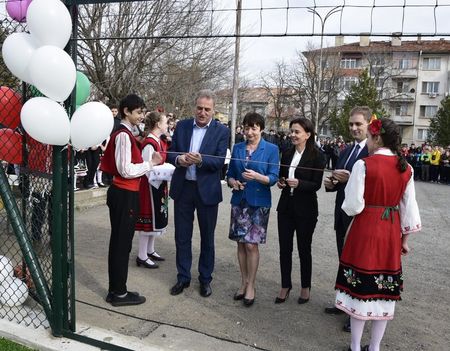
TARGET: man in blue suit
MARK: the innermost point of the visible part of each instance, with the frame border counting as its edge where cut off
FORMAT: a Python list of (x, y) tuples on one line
[(196, 185), (358, 122)]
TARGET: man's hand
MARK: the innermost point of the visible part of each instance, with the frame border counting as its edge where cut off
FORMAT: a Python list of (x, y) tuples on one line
[(341, 175), (194, 158), (182, 161), (281, 183), (156, 159), (292, 182)]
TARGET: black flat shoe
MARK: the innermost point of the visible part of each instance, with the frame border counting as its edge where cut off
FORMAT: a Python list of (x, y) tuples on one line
[(140, 262), (333, 310), (179, 287), (237, 296), (111, 294), (154, 257), (282, 300), (127, 300), (205, 290), (347, 326)]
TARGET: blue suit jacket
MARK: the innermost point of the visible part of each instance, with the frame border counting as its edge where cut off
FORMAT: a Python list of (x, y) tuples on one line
[(341, 219), (255, 193), (215, 143)]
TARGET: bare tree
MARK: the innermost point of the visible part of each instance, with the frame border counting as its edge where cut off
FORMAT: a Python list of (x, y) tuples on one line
[(276, 84), (144, 47), (304, 75)]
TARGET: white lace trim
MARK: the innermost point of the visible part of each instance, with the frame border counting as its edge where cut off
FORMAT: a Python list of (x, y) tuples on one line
[(365, 310)]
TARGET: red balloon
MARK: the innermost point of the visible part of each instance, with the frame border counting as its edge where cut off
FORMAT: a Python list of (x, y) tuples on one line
[(10, 146), (10, 106)]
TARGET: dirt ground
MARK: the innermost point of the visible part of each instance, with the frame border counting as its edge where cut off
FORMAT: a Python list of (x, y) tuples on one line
[(421, 321)]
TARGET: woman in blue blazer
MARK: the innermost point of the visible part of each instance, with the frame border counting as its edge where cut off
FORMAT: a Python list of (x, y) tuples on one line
[(253, 170), (301, 173)]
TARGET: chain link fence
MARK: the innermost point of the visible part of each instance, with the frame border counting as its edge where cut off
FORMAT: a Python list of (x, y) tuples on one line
[(27, 165)]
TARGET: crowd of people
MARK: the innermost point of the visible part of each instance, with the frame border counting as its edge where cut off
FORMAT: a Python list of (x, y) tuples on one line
[(372, 180)]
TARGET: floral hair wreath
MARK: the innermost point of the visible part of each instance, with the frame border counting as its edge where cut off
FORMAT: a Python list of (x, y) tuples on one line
[(375, 126)]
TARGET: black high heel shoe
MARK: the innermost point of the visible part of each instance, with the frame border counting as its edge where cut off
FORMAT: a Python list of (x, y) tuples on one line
[(237, 296), (140, 262), (280, 299), (302, 301), (249, 302)]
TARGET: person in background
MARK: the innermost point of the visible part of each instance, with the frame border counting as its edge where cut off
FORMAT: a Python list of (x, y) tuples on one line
[(153, 202), (251, 200), (124, 161), (298, 208), (434, 164), (380, 195)]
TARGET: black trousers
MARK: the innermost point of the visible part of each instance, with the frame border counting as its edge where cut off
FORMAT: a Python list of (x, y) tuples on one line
[(288, 223), (123, 210), (92, 162)]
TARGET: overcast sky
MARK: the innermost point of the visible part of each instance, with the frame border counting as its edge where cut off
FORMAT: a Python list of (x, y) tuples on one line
[(292, 17)]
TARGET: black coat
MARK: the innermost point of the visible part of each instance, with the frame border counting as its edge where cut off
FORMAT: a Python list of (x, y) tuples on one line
[(310, 181)]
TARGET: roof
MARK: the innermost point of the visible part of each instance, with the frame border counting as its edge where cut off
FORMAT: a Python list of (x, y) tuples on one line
[(426, 46)]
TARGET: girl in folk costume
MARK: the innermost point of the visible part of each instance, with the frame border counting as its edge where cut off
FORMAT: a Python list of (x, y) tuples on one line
[(153, 217), (380, 194)]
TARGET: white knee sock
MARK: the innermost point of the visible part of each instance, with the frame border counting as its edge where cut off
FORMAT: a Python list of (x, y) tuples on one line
[(357, 326), (151, 244), (377, 332), (143, 240)]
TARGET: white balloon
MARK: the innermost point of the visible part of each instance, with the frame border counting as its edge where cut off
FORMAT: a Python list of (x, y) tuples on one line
[(46, 121), (49, 22), (53, 72), (17, 50), (90, 125), (13, 292), (6, 268)]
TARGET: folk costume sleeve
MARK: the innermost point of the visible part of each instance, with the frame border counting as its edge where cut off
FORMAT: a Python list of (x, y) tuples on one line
[(354, 190), (409, 210), (123, 159)]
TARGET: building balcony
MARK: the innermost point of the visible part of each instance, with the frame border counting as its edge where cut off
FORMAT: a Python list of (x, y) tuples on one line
[(398, 73), (403, 97), (406, 120)]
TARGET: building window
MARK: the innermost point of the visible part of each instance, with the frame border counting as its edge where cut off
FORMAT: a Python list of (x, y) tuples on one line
[(401, 110), (402, 87), (405, 63), (431, 63), (428, 111), (430, 87), (422, 134), (350, 63), (345, 83)]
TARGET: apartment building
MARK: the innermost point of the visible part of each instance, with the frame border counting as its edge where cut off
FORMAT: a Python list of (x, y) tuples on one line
[(412, 77)]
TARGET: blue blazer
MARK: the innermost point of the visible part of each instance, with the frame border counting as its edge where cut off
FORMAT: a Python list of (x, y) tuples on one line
[(255, 193), (215, 142)]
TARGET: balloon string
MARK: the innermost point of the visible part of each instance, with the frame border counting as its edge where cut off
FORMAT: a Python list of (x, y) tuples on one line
[(251, 161)]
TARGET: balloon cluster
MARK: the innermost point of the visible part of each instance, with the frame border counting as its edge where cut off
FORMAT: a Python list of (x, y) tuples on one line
[(13, 291), (39, 59)]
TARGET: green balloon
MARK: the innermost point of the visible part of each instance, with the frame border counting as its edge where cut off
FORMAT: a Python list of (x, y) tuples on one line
[(83, 88)]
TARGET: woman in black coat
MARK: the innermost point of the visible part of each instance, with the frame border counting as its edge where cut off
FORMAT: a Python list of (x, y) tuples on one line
[(301, 173)]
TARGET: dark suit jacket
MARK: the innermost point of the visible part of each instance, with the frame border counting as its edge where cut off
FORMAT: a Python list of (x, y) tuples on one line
[(208, 174), (310, 181), (341, 219)]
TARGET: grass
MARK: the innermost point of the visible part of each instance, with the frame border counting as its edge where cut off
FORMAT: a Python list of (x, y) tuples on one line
[(7, 345)]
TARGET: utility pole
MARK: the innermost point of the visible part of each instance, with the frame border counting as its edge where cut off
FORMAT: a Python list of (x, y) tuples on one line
[(236, 72)]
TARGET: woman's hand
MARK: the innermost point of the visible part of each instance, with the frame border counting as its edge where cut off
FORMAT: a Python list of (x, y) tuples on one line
[(281, 183), (236, 184), (250, 174), (405, 246), (156, 159), (292, 182)]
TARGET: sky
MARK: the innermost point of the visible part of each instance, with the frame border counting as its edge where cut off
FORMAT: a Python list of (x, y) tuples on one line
[(265, 17)]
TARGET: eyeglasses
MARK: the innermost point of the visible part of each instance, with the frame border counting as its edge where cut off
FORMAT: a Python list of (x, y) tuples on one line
[(206, 109)]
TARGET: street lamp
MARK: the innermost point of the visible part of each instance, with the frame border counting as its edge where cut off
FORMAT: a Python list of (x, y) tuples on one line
[(322, 22)]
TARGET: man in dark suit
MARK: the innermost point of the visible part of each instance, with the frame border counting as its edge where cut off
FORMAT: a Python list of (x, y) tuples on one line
[(196, 185), (358, 123)]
